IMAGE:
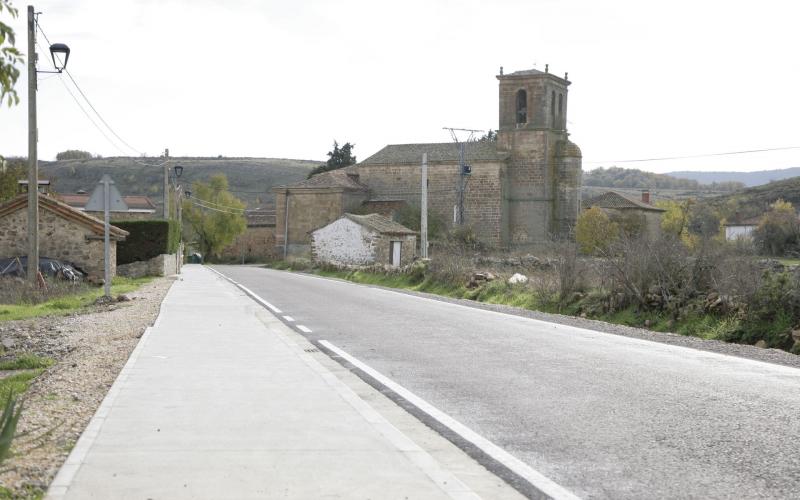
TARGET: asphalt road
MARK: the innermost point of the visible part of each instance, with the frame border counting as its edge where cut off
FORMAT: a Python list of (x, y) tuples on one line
[(604, 416)]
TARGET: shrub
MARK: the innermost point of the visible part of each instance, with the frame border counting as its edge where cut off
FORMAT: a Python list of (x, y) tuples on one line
[(594, 231), (147, 239)]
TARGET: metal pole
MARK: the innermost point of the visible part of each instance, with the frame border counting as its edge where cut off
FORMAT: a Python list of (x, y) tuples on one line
[(33, 163), (179, 207), (106, 239), (286, 227), (166, 184), (423, 224), (461, 165)]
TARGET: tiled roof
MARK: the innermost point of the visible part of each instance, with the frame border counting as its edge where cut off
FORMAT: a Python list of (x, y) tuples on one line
[(331, 179), (380, 224), (616, 200), (133, 202), (259, 218), (437, 152), (750, 221), (62, 210)]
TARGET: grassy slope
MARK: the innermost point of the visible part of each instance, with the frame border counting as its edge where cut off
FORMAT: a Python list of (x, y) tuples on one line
[(68, 304), (756, 200), (256, 176)]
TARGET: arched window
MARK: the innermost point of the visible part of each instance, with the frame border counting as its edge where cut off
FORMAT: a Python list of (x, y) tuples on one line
[(560, 104), (522, 106), (553, 104)]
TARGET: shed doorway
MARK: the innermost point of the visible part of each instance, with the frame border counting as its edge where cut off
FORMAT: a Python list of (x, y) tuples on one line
[(394, 253)]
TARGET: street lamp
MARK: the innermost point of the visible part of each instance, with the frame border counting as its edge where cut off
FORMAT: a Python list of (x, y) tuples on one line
[(33, 160), (178, 171), (59, 48)]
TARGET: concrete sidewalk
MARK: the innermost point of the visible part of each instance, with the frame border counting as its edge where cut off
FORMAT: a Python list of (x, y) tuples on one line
[(219, 401)]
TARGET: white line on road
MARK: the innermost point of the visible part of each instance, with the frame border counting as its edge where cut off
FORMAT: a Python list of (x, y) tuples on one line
[(304, 329), (544, 484), (289, 319), (249, 292)]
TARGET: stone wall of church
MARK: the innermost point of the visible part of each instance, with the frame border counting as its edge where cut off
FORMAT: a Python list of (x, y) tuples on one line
[(484, 208)]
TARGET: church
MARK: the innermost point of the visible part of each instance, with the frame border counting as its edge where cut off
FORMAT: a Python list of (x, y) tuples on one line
[(517, 191)]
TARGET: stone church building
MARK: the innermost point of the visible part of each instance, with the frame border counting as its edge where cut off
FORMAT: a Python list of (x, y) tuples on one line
[(520, 190)]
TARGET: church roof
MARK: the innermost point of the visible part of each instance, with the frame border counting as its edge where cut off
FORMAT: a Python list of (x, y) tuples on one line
[(332, 179), (437, 152), (380, 223), (612, 199)]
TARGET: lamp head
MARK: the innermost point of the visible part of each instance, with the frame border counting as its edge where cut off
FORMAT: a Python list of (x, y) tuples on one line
[(59, 48)]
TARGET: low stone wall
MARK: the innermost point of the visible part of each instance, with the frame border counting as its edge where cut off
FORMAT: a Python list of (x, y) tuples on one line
[(162, 265)]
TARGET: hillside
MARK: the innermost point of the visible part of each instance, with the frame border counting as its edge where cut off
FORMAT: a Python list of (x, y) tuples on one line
[(756, 200), (749, 179), (250, 179), (617, 177)]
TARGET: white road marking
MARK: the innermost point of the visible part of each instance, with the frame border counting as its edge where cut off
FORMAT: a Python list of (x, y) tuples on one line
[(546, 485), (289, 319), (304, 329)]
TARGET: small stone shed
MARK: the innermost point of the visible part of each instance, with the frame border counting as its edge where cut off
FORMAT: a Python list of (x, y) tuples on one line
[(64, 233), (360, 240), (618, 206)]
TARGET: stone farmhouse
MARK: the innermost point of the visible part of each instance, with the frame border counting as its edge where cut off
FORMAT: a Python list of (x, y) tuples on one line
[(362, 240), (65, 233), (521, 190), (641, 212)]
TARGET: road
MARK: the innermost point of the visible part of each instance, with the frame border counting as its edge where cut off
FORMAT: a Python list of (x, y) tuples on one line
[(604, 416)]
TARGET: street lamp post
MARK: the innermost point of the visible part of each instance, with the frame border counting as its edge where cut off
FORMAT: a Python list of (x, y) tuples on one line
[(56, 49)]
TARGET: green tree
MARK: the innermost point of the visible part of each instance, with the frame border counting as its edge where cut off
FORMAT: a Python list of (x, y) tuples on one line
[(11, 171), (595, 231), (74, 154), (10, 57), (338, 158), (213, 215), (779, 230), (490, 136), (676, 218)]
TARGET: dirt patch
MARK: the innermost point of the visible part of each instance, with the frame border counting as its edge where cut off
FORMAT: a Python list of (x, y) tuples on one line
[(89, 349)]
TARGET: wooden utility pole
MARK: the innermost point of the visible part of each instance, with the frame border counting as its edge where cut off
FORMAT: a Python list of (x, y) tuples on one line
[(423, 223), (33, 164), (166, 184)]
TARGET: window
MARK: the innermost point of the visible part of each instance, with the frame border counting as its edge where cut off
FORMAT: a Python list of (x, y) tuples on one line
[(522, 106), (553, 104), (560, 103)]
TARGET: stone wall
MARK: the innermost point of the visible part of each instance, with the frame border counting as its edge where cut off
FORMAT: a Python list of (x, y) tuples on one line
[(408, 249), (256, 243), (161, 265), (344, 242), (59, 238), (484, 208)]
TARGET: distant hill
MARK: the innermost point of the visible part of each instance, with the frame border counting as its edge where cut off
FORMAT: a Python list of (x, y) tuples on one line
[(250, 179), (617, 177), (749, 179), (756, 200)]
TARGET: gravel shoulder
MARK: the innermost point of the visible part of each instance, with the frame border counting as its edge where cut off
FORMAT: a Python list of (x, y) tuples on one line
[(90, 349), (775, 356)]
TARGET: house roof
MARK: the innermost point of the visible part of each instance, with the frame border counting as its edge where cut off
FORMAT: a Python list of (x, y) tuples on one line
[(750, 221), (380, 223), (332, 179), (615, 200), (437, 152), (259, 218), (64, 211), (133, 202)]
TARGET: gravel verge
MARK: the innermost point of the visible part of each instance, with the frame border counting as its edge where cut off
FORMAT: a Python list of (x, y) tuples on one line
[(775, 356), (90, 349)]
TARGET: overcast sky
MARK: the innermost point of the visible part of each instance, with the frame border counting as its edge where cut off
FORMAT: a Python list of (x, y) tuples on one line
[(285, 78)]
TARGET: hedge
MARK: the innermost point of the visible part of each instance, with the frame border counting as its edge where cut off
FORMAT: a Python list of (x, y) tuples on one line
[(147, 239)]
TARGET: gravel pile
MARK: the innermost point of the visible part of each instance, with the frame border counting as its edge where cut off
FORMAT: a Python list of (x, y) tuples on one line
[(90, 349)]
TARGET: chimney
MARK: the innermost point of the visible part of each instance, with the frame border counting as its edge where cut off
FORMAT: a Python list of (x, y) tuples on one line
[(646, 196)]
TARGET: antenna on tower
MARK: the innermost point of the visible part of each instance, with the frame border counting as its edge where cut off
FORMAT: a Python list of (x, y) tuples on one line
[(463, 168)]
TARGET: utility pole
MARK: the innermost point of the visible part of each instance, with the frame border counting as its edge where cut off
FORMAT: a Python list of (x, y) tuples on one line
[(464, 171), (423, 223), (166, 184), (33, 163), (106, 181)]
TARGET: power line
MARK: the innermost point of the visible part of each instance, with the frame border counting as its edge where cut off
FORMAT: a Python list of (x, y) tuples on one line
[(216, 204), (214, 209), (88, 101), (707, 155)]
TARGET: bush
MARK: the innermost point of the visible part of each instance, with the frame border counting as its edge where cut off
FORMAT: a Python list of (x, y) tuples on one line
[(594, 231), (147, 239)]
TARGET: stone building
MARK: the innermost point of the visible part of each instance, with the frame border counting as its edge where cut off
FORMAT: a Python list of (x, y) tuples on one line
[(361, 240), (65, 234), (630, 211), (258, 240), (518, 191)]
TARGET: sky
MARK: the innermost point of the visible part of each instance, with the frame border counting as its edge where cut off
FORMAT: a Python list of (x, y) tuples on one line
[(284, 79)]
